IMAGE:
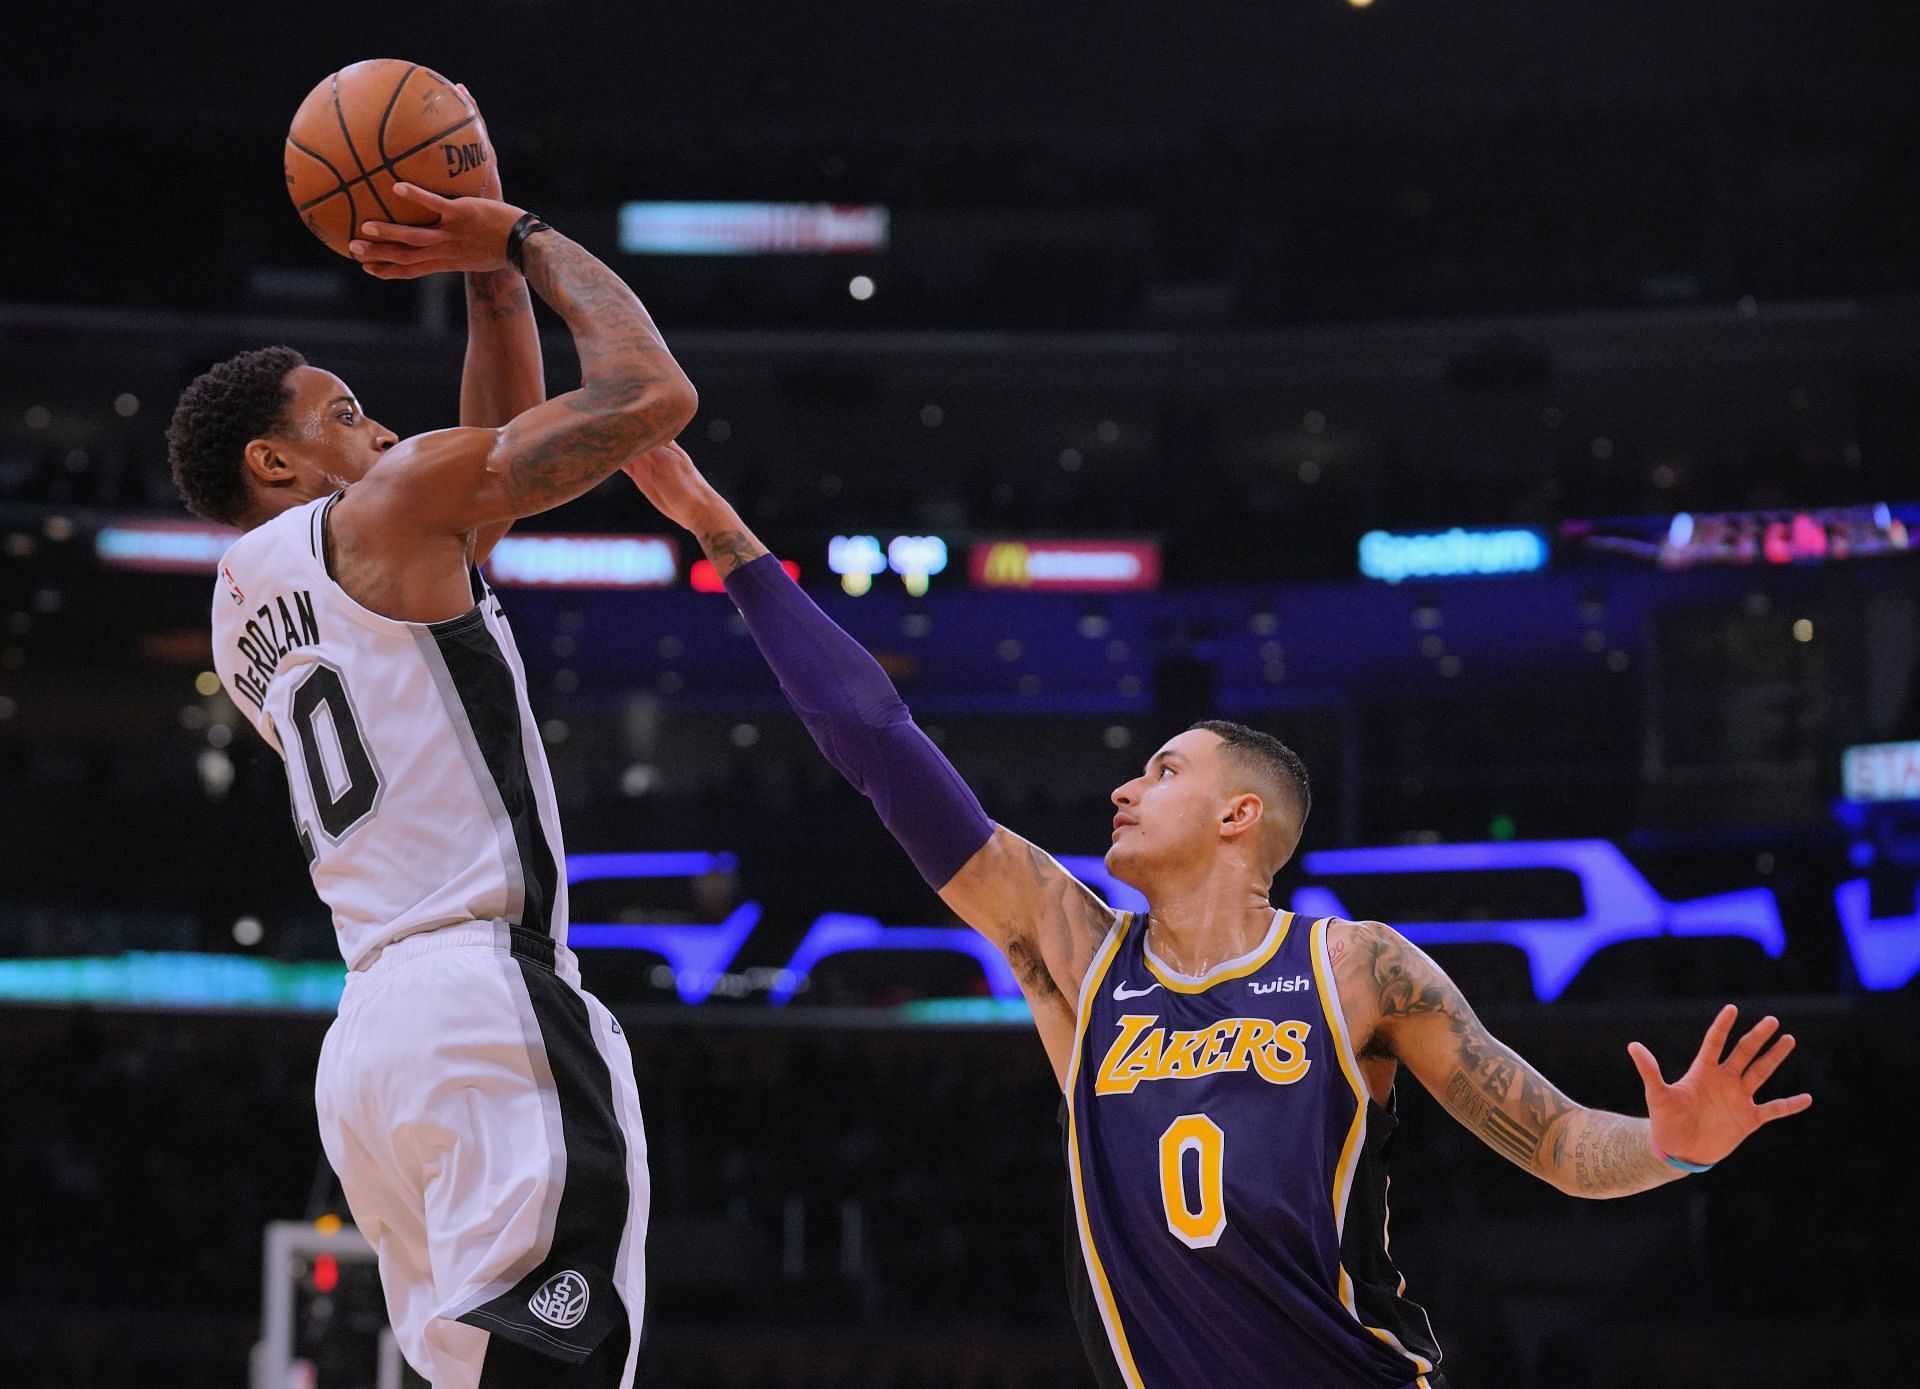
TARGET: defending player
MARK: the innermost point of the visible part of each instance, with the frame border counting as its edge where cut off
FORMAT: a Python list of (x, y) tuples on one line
[(478, 1106), (1229, 1068)]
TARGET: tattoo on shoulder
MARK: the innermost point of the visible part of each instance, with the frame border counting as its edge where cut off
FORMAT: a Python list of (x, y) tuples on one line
[(1081, 909), (1492, 1090)]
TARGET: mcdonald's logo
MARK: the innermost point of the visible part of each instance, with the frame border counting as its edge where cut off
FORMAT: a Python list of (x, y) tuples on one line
[(1065, 566), (1005, 565)]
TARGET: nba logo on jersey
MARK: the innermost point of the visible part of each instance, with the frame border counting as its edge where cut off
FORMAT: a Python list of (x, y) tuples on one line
[(233, 585), (561, 1300)]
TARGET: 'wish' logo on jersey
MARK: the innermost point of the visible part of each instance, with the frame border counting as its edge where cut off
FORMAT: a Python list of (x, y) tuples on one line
[(1276, 1051), (561, 1301), (1297, 984)]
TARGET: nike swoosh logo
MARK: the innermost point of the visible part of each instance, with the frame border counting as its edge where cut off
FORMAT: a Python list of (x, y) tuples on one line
[(1122, 993)]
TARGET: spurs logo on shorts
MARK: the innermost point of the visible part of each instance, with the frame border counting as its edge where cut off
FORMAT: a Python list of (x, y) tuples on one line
[(561, 1300)]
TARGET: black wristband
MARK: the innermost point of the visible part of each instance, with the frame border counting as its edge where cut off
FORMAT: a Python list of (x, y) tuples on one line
[(528, 224)]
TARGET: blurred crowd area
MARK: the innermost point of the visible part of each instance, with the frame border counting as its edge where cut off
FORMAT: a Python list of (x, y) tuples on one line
[(1251, 458), (1767, 192), (1246, 166), (884, 1209)]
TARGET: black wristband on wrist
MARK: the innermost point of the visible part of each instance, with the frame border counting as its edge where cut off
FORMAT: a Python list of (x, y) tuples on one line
[(528, 224)]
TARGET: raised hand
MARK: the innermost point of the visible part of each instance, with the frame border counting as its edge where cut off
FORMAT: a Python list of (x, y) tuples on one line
[(1711, 1110), (469, 234)]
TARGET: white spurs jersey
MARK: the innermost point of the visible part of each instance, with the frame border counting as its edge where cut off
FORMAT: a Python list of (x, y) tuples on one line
[(421, 793)]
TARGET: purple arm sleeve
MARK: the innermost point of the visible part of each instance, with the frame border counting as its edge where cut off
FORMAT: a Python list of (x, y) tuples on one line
[(858, 719)]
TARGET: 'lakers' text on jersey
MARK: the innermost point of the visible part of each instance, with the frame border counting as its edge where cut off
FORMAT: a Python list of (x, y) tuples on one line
[(421, 729), (1229, 1170)]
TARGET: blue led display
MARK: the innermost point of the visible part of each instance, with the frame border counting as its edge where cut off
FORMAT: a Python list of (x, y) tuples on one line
[(1886, 952), (1620, 905), (1450, 554)]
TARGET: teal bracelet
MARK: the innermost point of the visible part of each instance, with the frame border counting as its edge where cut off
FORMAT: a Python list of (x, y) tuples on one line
[(1673, 1161)]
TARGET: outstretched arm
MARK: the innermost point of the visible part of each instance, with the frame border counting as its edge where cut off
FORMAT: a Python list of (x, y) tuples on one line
[(1402, 1005), (1044, 921)]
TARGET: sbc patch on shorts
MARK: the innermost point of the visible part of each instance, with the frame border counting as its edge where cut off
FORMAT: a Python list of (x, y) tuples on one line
[(560, 1310), (562, 1300)]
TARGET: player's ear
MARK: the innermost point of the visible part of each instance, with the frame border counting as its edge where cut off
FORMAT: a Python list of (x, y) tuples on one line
[(1243, 815), (266, 463)]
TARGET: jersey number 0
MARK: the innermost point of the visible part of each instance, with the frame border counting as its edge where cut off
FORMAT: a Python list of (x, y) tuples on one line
[(342, 782), (1196, 1224)]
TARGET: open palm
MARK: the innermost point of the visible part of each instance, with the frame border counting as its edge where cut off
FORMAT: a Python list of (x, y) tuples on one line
[(1711, 1110)]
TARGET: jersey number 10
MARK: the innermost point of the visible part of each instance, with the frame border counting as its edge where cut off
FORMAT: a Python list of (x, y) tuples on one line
[(1197, 1227)]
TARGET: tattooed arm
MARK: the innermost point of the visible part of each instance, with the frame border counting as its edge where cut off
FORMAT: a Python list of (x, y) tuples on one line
[(1402, 1007), (632, 397), (504, 375)]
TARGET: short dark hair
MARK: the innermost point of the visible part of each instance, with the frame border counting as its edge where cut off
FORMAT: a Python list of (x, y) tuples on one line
[(1264, 753), (225, 408)]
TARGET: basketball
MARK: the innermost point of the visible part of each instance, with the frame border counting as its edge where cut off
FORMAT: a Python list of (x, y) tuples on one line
[(373, 124)]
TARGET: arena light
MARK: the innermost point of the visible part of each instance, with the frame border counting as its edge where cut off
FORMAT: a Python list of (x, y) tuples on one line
[(916, 559), (856, 559), (1881, 772), (706, 579), (518, 561), (860, 559), (749, 229), (163, 547), (1450, 554), (1065, 566), (170, 979), (1620, 903), (584, 561), (1886, 952), (1817, 535)]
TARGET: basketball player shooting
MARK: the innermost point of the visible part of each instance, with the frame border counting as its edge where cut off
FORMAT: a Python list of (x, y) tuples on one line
[(478, 1106), (1229, 1070)]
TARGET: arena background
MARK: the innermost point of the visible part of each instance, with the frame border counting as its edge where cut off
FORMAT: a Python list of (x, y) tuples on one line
[(1138, 318)]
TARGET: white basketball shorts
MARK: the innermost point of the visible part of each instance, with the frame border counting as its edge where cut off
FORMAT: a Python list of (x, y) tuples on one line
[(479, 1109)]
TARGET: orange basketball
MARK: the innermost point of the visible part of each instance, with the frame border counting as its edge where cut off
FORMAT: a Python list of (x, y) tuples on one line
[(374, 124)]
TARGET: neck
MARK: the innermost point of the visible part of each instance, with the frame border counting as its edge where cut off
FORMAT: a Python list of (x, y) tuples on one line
[(1198, 924), (270, 502)]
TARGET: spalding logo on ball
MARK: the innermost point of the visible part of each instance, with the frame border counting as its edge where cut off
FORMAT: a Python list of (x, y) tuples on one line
[(374, 124)]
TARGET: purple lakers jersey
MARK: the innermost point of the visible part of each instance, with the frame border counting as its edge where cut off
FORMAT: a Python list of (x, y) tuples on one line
[(1229, 1170)]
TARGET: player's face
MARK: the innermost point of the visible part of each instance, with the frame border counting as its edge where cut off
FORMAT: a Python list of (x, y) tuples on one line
[(332, 440), (1170, 812)]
